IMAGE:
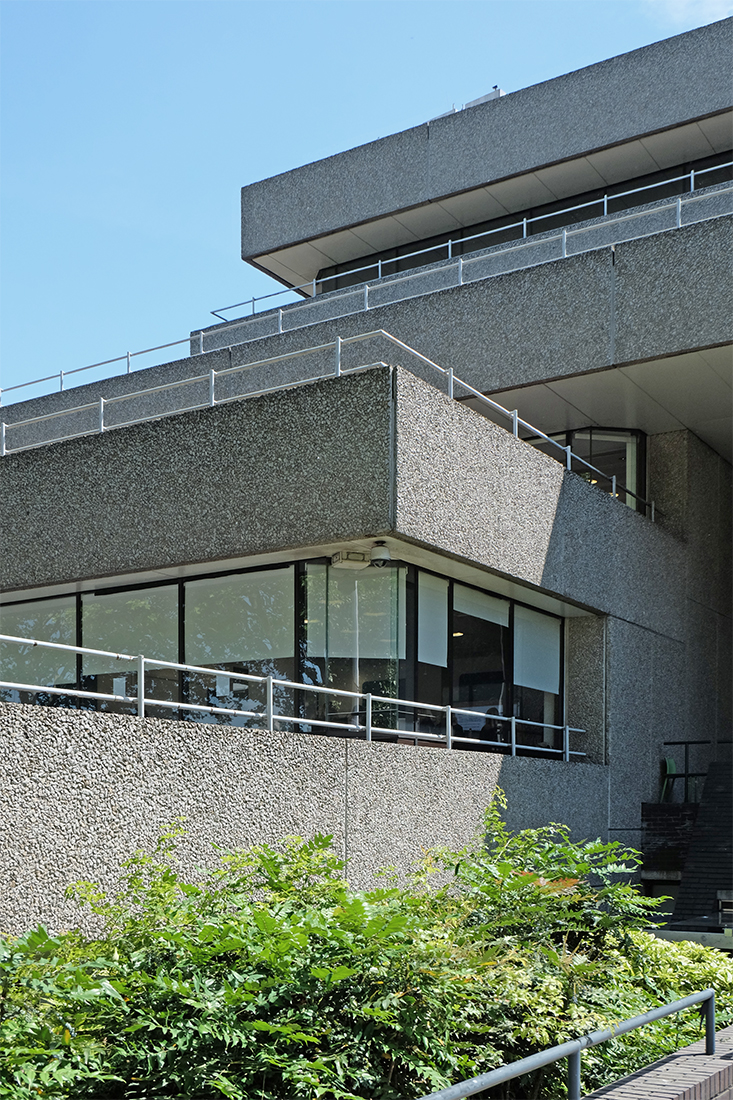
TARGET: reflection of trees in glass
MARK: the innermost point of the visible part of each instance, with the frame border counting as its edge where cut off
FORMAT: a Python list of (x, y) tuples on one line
[(351, 627), (242, 623), (48, 621), (145, 621)]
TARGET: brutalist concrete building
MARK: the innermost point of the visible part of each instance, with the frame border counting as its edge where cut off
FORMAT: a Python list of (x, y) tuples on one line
[(455, 513)]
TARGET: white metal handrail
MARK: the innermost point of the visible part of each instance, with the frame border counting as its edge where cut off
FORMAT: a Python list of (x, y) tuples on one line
[(336, 346), (383, 279), (309, 288), (359, 700)]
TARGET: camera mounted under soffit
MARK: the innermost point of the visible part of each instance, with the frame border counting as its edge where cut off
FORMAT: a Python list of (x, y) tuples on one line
[(379, 556)]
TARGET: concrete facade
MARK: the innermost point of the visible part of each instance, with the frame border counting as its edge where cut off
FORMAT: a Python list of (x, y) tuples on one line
[(82, 791), (632, 335)]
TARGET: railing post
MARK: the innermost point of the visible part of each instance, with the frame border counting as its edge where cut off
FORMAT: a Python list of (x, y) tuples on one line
[(692, 179), (613, 486), (141, 686), (450, 381), (338, 356), (710, 1025), (379, 269), (368, 715), (574, 1076), (652, 511), (450, 249), (269, 710), (61, 381), (524, 228), (2, 439), (460, 270), (515, 423), (566, 743), (279, 320), (129, 363), (679, 212), (314, 289), (564, 243), (212, 382), (101, 414), (448, 728), (514, 735), (366, 295), (253, 307), (201, 343), (568, 458), (605, 206)]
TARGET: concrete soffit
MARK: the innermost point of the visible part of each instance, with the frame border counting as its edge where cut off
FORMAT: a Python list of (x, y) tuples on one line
[(300, 261), (400, 549), (692, 390)]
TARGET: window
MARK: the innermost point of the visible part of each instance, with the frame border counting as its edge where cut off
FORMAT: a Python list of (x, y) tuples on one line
[(396, 632), (616, 452), (52, 620)]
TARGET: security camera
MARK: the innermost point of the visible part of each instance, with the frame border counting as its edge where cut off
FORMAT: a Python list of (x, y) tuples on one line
[(380, 555)]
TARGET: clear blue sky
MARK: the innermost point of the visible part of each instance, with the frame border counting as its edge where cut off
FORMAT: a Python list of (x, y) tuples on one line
[(129, 126)]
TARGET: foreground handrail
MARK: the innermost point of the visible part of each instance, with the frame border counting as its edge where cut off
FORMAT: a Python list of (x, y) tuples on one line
[(353, 724), (572, 1050)]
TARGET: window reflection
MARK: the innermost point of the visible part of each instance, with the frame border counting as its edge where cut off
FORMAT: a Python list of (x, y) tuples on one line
[(133, 622), (615, 452), (243, 623), (49, 621), (481, 672), (396, 632), (355, 635)]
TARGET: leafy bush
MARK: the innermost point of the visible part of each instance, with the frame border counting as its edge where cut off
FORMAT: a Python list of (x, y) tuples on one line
[(272, 979)]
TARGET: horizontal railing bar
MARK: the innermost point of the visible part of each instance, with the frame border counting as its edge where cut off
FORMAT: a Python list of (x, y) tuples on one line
[(156, 664), (206, 708), (553, 1054), (36, 642), (692, 197), (53, 690)]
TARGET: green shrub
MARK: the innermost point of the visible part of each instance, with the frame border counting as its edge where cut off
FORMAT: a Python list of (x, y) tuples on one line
[(272, 979)]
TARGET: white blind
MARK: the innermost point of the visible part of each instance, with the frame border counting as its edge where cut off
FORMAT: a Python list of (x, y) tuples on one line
[(432, 620), (482, 606), (536, 650)]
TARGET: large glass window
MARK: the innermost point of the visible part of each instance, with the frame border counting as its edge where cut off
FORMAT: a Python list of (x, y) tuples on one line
[(481, 666), (393, 632), (143, 620), (615, 452), (240, 623), (355, 630), (49, 621), (537, 662)]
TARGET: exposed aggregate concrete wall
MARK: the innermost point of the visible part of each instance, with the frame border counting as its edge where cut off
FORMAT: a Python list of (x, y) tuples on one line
[(80, 791)]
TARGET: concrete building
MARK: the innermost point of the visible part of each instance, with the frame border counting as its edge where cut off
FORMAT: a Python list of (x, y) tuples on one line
[(321, 493)]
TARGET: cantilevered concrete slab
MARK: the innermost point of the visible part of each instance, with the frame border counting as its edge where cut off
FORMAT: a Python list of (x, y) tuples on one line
[(635, 114)]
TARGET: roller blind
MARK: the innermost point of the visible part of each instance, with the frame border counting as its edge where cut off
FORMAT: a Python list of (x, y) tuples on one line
[(480, 605), (432, 620), (536, 650)]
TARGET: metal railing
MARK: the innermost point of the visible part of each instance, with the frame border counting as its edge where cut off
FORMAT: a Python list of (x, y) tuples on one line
[(573, 1049), (361, 703), (335, 347), (461, 269), (452, 245)]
